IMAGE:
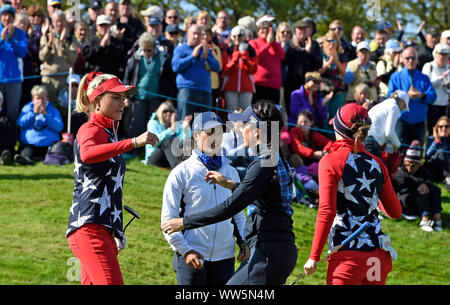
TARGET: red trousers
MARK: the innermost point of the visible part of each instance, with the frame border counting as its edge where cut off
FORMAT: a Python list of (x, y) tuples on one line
[(97, 251), (350, 267)]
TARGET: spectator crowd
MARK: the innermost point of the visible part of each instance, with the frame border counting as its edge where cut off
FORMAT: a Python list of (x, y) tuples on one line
[(203, 63)]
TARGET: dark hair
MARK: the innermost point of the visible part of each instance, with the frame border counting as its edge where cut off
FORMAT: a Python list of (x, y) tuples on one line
[(307, 114), (266, 111)]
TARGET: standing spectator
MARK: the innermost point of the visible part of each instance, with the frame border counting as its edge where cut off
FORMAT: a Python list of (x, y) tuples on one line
[(445, 37), (190, 61), (172, 17), (270, 55), (207, 36), (249, 23), (283, 37), (203, 19), (384, 118), (144, 69), (411, 125), (172, 34), (102, 51), (222, 29), (13, 46), (8, 135), (305, 56), (439, 73), (416, 191), (203, 256), (380, 39), (95, 9), (81, 32), (18, 6), (338, 27), (428, 41), (58, 53), (152, 11), (53, 6), (170, 133), (358, 35), (389, 63), (361, 70), (333, 69), (40, 124), (133, 27), (388, 28), (437, 160), (37, 17), (155, 28), (308, 97), (240, 62), (112, 11)]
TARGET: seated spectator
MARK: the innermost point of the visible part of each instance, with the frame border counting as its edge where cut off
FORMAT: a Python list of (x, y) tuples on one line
[(333, 70), (384, 118), (308, 97), (58, 52), (240, 62), (437, 154), (389, 63), (361, 70), (102, 49), (7, 139), (270, 55), (163, 124), (416, 191), (337, 27), (438, 72), (310, 145), (207, 36), (62, 103), (40, 124)]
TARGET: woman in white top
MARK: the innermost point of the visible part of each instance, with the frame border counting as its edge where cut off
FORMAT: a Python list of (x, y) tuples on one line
[(384, 117), (438, 71)]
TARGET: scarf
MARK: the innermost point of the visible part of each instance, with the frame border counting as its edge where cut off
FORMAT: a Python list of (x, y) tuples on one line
[(211, 163)]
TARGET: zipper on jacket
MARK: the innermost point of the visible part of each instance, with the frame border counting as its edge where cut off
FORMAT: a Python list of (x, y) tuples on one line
[(239, 76), (215, 225)]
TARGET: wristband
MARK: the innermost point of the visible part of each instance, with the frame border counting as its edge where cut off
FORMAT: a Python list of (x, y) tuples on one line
[(133, 141)]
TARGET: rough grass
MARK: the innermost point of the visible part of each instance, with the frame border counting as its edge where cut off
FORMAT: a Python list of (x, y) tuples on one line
[(35, 203)]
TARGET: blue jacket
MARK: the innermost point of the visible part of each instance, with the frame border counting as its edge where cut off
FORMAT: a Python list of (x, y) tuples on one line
[(37, 129), (10, 50), (192, 72), (418, 107)]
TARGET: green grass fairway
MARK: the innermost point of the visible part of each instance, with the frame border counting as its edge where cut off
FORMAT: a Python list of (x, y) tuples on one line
[(35, 203)]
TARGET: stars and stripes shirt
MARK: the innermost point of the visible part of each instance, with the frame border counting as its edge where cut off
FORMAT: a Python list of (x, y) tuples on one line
[(99, 170), (350, 188)]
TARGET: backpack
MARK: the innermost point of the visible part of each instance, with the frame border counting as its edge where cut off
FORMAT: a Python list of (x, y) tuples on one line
[(59, 153)]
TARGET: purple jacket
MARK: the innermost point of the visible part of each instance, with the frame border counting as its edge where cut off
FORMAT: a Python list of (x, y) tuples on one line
[(300, 102)]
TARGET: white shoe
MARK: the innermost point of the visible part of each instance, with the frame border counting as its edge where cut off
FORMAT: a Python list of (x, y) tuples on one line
[(410, 217), (426, 225)]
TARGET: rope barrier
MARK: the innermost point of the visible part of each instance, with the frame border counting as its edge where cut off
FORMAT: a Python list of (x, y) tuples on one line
[(21, 79)]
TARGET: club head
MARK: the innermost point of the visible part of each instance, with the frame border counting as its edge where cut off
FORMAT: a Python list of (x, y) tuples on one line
[(131, 211)]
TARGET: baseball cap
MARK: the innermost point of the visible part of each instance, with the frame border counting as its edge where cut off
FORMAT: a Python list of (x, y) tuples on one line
[(172, 28), (265, 18), (247, 115), (103, 19), (393, 45), (7, 9), (302, 24), (347, 116), (75, 78), (363, 45), (404, 96), (154, 20), (95, 4), (441, 48), (54, 2), (238, 30), (414, 153), (384, 25), (206, 120), (433, 31), (445, 34), (153, 10)]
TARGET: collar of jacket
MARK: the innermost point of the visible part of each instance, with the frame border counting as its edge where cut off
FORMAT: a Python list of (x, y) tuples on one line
[(346, 143), (197, 163), (103, 121)]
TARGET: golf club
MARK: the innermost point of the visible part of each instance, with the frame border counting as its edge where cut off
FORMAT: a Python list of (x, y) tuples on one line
[(132, 212), (348, 239)]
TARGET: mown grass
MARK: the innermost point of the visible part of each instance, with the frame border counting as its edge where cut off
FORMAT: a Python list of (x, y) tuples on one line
[(35, 203)]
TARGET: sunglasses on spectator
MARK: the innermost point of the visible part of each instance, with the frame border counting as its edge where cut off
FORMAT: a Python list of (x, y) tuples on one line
[(57, 6), (285, 32), (337, 28), (147, 50), (172, 17), (413, 58), (332, 40), (36, 15), (239, 35), (443, 126)]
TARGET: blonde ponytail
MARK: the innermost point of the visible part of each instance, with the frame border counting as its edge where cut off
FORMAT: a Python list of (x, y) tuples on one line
[(360, 135)]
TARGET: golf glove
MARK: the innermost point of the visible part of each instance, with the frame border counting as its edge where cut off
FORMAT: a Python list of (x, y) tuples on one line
[(121, 243)]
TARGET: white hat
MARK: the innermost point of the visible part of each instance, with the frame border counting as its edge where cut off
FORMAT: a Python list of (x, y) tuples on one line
[(75, 78), (248, 22), (153, 10), (238, 30), (404, 96), (445, 34), (363, 45), (103, 19), (264, 18)]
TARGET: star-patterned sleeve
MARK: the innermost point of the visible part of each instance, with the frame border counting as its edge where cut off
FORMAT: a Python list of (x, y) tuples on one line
[(94, 146), (330, 172)]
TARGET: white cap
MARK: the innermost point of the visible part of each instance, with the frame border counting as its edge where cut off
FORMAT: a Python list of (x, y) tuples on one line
[(75, 78), (153, 10), (363, 45), (264, 18), (248, 22), (404, 96), (103, 19), (445, 34), (238, 30)]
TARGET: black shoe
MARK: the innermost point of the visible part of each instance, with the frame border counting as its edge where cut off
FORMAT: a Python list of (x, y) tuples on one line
[(23, 160), (6, 158)]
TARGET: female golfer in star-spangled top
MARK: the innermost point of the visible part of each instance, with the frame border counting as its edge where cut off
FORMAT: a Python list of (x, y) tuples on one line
[(95, 229)]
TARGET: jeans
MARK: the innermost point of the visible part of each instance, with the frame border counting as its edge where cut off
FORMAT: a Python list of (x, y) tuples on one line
[(186, 95), (410, 132), (372, 146), (238, 100)]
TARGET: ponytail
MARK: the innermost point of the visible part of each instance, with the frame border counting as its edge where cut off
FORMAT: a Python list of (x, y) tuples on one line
[(360, 134), (83, 104)]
